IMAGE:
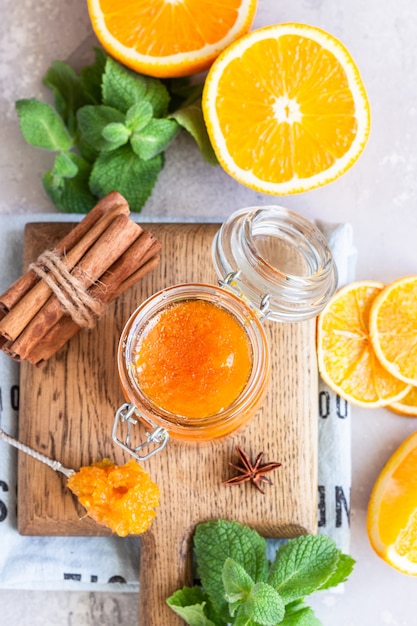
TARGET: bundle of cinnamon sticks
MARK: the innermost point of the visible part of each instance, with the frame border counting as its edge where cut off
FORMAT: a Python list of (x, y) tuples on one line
[(67, 288)]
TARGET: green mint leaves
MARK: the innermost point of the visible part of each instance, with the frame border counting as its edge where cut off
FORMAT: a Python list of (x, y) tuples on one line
[(303, 566), (214, 543), (123, 171), (42, 127), (109, 130), (240, 587)]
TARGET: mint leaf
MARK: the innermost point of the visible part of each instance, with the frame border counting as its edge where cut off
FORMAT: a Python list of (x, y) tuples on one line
[(42, 126), (237, 582), (343, 569), (302, 565), (189, 603), (154, 138), (302, 616), (214, 542), (91, 77), (158, 96), (264, 605), (242, 619), (121, 89), (139, 115), (92, 120), (296, 614), (116, 134), (65, 165), (68, 92), (193, 615), (191, 119), (122, 170), (87, 151), (71, 195)]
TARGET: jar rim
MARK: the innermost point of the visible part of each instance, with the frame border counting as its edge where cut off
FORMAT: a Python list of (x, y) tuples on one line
[(321, 249), (229, 418), (238, 248)]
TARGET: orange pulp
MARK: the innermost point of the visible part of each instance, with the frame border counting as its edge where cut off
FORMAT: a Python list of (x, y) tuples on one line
[(193, 359)]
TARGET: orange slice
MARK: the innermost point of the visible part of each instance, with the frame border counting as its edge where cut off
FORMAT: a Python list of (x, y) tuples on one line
[(393, 328), (392, 509), (168, 38), (346, 359), (286, 109), (407, 405)]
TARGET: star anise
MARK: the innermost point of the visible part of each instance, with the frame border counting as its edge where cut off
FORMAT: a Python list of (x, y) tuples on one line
[(254, 472)]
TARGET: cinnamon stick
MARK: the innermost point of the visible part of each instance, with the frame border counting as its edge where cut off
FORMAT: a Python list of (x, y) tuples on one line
[(68, 287), (66, 328), (115, 240), (143, 249), (24, 310), (119, 277), (113, 201)]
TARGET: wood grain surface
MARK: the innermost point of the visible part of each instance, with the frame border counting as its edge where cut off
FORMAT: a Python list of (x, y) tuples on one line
[(67, 412)]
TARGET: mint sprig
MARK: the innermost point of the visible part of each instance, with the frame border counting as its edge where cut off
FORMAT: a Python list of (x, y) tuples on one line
[(109, 128), (239, 586)]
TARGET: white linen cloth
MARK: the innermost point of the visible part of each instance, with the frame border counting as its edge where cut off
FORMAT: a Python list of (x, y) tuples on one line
[(334, 468), (104, 563)]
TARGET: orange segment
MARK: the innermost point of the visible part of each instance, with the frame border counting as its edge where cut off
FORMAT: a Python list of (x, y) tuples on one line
[(286, 109), (393, 328), (346, 359), (407, 405), (392, 509), (169, 37)]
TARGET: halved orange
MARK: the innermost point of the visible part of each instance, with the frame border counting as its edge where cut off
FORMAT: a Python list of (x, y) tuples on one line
[(167, 38), (286, 109), (392, 509), (393, 328), (407, 405), (346, 359)]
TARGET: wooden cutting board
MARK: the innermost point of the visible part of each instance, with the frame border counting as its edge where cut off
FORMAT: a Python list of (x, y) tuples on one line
[(67, 412)]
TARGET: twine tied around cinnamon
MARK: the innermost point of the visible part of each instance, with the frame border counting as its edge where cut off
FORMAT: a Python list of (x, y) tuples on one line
[(69, 290)]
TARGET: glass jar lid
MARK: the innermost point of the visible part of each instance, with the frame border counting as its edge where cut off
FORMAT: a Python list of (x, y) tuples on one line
[(277, 260)]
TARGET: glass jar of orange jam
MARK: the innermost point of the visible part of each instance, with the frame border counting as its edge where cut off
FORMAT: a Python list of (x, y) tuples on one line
[(194, 361)]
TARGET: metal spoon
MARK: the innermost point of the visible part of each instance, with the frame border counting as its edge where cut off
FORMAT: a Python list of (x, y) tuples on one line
[(55, 465)]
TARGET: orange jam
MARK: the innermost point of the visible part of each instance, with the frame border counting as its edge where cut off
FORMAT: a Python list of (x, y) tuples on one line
[(193, 359), (122, 498)]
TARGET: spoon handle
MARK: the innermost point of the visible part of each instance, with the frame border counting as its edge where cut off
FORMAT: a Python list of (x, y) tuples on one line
[(55, 465)]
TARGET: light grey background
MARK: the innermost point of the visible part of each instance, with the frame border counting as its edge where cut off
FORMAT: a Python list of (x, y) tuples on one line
[(378, 196)]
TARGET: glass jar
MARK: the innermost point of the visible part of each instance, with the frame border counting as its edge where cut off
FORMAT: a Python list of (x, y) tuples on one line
[(229, 418), (272, 263)]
